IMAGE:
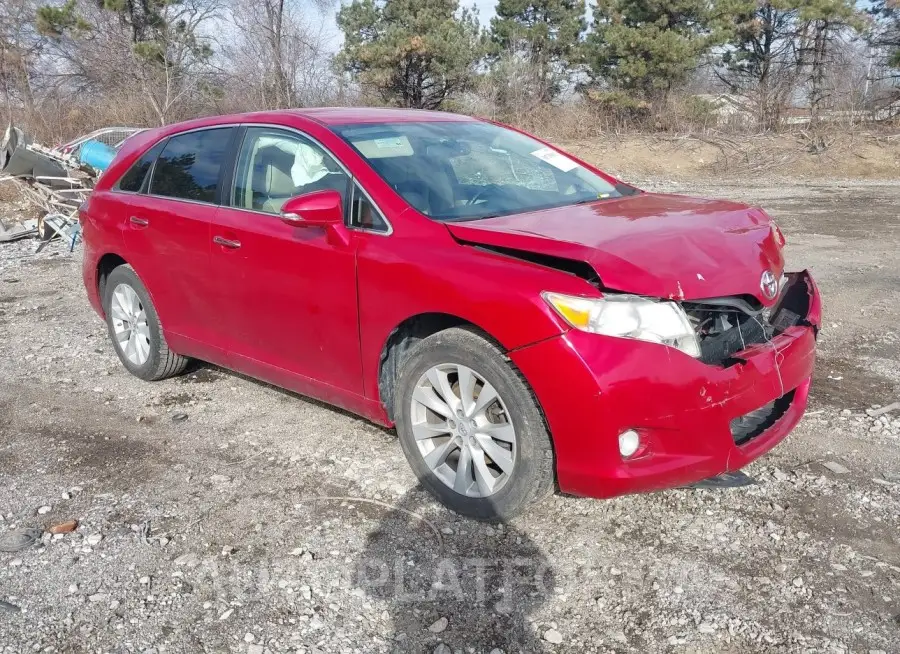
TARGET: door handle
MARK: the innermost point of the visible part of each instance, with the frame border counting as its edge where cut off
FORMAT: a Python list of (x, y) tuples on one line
[(226, 243), (140, 222)]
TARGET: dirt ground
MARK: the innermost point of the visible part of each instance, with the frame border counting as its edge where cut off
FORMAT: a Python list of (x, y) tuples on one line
[(219, 514)]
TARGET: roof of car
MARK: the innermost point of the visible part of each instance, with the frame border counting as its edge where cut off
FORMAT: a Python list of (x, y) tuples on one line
[(346, 115), (323, 115)]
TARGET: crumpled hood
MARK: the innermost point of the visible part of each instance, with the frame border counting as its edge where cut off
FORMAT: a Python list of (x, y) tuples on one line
[(649, 244)]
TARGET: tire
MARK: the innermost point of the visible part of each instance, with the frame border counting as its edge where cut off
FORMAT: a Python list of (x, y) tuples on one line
[(154, 360), (447, 356), (45, 232)]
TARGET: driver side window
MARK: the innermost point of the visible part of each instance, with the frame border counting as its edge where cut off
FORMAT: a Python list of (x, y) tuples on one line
[(275, 165)]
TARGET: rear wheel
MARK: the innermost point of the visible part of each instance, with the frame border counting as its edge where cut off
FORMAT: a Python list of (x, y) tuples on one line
[(470, 427), (135, 330)]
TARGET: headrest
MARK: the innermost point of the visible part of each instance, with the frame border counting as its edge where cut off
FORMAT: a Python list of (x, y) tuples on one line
[(275, 165)]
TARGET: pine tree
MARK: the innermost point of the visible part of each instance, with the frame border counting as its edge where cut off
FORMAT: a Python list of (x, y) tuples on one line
[(646, 47), (887, 14), (759, 60), (821, 23), (545, 33), (885, 37), (414, 53)]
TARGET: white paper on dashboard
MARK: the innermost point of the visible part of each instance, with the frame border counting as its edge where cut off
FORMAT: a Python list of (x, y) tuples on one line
[(555, 159)]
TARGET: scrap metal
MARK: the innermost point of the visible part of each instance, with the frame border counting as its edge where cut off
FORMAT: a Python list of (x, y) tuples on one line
[(55, 182)]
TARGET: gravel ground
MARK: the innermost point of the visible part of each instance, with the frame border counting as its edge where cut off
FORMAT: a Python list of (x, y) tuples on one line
[(219, 514)]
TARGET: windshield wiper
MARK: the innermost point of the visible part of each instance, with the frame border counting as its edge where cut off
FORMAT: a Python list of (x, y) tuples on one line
[(462, 219), (598, 198)]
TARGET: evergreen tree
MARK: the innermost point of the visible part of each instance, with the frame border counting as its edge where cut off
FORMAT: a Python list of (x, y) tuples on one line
[(646, 47), (545, 32), (759, 60), (414, 53), (821, 24), (885, 36)]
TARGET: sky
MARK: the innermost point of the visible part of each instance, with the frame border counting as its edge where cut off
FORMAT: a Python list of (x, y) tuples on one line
[(485, 9)]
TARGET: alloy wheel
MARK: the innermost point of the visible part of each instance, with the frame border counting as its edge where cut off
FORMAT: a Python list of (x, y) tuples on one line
[(463, 430), (129, 320)]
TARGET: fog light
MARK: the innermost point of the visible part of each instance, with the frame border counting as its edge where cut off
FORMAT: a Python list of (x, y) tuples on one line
[(629, 443)]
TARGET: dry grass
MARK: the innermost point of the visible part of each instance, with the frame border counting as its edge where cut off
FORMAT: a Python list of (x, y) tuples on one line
[(678, 142), (57, 121), (705, 156), (675, 143)]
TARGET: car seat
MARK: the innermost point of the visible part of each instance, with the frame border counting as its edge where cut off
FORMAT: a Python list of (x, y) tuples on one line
[(272, 181)]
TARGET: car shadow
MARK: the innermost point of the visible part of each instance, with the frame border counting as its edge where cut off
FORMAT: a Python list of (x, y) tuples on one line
[(202, 372), (467, 585), (486, 580)]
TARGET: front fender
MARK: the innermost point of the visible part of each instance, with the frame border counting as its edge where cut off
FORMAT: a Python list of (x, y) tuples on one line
[(399, 279)]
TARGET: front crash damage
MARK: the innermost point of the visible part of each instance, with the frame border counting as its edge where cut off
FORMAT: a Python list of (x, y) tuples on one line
[(726, 326), (699, 420)]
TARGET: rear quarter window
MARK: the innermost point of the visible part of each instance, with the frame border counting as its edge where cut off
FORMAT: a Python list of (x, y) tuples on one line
[(133, 180), (189, 165)]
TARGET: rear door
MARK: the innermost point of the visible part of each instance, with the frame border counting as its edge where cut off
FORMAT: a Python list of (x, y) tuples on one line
[(167, 233), (287, 294)]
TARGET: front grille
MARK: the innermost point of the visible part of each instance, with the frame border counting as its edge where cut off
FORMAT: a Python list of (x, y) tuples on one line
[(748, 426), (726, 326)]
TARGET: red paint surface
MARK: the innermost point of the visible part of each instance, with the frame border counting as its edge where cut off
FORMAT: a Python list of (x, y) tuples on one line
[(311, 308), (649, 244)]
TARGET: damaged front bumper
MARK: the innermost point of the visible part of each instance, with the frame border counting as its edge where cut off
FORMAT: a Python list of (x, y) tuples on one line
[(696, 419)]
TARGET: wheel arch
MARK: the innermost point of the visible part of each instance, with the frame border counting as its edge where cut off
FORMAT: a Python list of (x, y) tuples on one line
[(412, 330), (105, 265), (404, 337)]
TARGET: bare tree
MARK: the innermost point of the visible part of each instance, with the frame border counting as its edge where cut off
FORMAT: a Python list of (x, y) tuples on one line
[(823, 24), (158, 57), (20, 49), (515, 82), (279, 54)]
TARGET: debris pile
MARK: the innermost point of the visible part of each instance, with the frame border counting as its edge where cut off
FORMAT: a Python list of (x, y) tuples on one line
[(54, 181)]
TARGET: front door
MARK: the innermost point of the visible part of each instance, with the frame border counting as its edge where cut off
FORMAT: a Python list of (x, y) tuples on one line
[(288, 293)]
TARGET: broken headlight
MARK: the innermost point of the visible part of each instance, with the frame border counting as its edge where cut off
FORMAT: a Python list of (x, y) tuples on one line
[(628, 316)]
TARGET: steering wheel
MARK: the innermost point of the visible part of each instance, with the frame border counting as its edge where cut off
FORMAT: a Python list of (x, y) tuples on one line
[(490, 188)]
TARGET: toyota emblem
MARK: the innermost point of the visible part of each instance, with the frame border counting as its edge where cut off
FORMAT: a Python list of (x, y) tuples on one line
[(768, 284)]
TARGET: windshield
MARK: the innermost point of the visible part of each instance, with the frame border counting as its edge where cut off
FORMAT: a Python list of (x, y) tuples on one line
[(470, 170)]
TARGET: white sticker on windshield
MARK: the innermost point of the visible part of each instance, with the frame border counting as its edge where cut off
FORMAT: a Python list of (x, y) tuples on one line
[(555, 159), (392, 142), (387, 147)]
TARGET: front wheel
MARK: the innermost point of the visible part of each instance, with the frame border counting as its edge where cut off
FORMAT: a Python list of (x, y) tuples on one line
[(135, 329), (471, 428)]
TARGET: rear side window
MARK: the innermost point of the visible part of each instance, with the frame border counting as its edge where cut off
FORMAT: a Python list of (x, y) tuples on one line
[(189, 165), (133, 180)]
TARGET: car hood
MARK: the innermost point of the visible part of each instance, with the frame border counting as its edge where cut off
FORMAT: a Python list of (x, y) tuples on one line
[(649, 244)]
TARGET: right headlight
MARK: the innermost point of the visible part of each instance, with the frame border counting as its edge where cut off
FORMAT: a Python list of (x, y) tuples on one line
[(628, 316)]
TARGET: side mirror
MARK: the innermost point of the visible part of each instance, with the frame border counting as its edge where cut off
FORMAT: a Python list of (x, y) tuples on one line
[(316, 209)]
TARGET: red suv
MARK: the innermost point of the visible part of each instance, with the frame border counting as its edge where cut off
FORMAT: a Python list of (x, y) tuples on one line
[(525, 320)]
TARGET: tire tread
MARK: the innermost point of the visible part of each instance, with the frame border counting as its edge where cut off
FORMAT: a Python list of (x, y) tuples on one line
[(474, 342), (168, 363)]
